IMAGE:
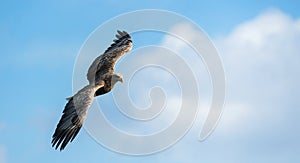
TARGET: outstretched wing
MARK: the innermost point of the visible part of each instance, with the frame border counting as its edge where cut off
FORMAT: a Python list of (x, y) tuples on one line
[(68, 126), (73, 116), (105, 62)]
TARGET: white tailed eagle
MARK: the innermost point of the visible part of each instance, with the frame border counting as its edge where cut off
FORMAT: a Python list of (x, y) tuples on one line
[(102, 78)]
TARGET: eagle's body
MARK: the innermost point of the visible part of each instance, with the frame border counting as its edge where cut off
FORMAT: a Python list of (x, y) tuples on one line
[(109, 81), (101, 79)]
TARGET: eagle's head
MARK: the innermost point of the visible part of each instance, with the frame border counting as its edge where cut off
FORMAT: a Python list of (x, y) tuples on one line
[(115, 78)]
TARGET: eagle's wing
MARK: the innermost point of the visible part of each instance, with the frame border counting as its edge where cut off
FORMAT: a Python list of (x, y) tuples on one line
[(73, 116), (68, 126), (105, 62)]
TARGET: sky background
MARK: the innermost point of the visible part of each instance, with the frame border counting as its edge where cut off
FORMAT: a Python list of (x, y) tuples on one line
[(257, 41)]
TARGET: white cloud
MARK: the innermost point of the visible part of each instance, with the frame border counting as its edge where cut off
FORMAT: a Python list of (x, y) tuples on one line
[(271, 39), (261, 59)]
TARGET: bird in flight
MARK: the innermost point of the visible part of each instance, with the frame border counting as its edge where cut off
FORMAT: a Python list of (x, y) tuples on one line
[(102, 78)]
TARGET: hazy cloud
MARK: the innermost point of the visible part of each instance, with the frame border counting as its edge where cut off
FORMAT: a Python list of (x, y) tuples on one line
[(261, 59)]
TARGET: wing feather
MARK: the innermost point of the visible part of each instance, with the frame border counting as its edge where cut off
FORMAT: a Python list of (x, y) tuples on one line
[(68, 126), (122, 39)]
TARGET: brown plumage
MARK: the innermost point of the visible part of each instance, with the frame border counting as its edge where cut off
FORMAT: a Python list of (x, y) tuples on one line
[(103, 66), (101, 79)]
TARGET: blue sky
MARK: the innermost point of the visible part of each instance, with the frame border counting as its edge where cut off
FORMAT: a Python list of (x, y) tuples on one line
[(40, 42)]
